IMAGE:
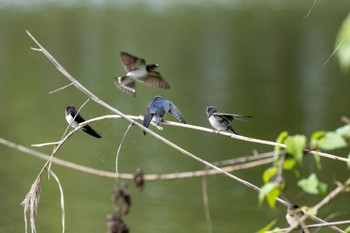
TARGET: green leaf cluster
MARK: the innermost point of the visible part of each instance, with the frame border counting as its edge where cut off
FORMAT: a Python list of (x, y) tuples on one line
[(312, 185), (295, 146), (331, 140)]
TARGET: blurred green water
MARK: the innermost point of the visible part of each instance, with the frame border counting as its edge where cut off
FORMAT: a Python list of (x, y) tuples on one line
[(251, 58)]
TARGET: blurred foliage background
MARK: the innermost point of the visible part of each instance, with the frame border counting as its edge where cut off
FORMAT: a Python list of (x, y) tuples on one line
[(260, 58)]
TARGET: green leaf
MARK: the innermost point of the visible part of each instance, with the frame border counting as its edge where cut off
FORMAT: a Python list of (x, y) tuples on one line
[(270, 191), (315, 137), (344, 131), (269, 173), (288, 164), (342, 44), (271, 196), (322, 188), (295, 146), (331, 141), (348, 163), (312, 185), (267, 227), (280, 139)]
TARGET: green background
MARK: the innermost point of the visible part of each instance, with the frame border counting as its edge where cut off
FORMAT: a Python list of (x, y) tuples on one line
[(260, 58)]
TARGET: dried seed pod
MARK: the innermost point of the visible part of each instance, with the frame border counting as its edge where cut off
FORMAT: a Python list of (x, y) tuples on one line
[(138, 179), (115, 224)]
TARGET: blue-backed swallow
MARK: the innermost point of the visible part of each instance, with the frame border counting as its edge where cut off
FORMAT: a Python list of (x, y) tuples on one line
[(157, 109)]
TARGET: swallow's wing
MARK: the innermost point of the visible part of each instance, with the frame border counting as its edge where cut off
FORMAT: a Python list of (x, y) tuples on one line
[(176, 113), (131, 62), (147, 119), (87, 129), (230, 117), (154, 78), (126, 84), (76, 116)]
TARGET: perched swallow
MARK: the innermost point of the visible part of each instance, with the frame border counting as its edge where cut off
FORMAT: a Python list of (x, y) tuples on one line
[(138, 70), (73, 118), (221, 121), (294, 213), (157, 109)]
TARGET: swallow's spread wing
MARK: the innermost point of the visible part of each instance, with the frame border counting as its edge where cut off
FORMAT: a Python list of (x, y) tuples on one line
[(131, 62), (153, 78), (230, 117), (177, 113), (126, 84)]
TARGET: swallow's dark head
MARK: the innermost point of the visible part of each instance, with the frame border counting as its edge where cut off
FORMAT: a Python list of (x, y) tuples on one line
[(211, 110), (157, 98), (70, 108), (151, 67), (293, 209)]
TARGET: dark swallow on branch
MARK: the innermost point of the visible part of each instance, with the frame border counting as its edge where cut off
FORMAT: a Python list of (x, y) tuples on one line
[(293, 216), (157, 109), (74, 119), (221, 121), (138, 70)]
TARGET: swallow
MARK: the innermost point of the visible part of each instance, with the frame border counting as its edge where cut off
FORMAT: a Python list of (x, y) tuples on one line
[(221, 121), (74, 119), (157, 109), (294, 213), (138, 70)]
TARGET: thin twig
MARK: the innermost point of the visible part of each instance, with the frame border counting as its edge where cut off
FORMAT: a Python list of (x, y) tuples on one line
[(206, 204), (314, 226), (332, 195), (120, 146), (61, 88), (62, 198), (312, 7), (337, 48)]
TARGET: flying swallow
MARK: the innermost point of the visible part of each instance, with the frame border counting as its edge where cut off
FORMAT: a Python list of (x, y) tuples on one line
[(73, 118), (294, 213), (221, 121), (157, 109), (138, 70)]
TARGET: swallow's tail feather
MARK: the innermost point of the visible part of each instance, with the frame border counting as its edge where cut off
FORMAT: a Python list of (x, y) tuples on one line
[(126, 84), (87, 129)]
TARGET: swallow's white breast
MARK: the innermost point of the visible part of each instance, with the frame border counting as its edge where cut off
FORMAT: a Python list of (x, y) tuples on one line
[(69, 119), (138, 73), (216, 123)]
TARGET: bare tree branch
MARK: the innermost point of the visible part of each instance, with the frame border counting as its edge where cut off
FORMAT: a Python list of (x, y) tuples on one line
[(265, 158)]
